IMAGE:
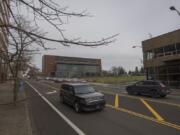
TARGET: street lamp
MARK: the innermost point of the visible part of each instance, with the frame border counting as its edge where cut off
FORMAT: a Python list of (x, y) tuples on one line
[(141, 60), (136, 46), (172, 8)]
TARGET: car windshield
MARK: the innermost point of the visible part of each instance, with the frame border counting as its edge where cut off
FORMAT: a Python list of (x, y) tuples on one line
[(84, 89)]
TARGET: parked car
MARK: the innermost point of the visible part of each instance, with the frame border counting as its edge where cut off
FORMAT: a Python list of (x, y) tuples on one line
[(38, 78), (81, 96), (148, 87)]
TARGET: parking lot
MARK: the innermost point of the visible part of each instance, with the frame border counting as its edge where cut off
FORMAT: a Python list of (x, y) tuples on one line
[(124, 114)]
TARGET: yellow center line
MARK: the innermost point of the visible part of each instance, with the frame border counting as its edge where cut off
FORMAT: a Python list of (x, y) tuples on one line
[(116, 103), (158, 117), (147, 99), (128, 96), (138, 114), (175, 126)]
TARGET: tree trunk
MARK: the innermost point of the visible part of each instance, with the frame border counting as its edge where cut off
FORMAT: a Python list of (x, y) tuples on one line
[(15, 90)]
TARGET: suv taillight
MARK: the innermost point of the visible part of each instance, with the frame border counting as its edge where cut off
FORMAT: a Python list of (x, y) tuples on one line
[(162, 85)]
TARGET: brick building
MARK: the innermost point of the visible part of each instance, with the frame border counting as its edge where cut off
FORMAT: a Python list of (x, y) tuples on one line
[(60, 66), (162, 58), (4, 18)]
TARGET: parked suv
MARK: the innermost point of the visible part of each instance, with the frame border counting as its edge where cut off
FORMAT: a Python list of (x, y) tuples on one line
[(81, 96), (148, 87)]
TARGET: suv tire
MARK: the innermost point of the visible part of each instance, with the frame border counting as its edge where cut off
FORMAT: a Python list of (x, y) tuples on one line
[(62, 99), (76, 107), (155, 94)]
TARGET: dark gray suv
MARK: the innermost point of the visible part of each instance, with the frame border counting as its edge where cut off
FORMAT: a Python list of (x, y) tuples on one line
[(148, 87), (81, 96)]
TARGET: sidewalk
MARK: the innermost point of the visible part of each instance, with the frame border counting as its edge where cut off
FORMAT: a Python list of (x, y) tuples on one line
[(14, 120)]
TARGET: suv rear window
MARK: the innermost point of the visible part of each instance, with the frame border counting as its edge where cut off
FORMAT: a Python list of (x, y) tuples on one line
[(84, 89), (150, 83), (147, 83), (155, 83), (67, 87)]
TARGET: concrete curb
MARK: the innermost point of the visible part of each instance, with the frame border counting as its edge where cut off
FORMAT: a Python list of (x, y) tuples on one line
[(29, 128)]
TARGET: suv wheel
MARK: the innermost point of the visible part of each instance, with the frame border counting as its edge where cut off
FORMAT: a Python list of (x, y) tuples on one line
[(61, 99), (163, 96), (130, 92), (154, 94), (77, 107)]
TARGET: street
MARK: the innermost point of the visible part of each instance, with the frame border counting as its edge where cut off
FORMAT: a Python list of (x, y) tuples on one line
[(124, 114)]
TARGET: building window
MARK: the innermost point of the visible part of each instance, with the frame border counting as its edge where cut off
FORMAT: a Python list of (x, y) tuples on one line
[(174, 70), (148, 55), (151, 73), (75, 70), (170, 49), (159, 52), (178, 47)]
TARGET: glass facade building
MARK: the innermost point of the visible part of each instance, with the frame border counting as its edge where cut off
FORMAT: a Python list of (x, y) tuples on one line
[(69, 67), (75, 70), (162, 58)]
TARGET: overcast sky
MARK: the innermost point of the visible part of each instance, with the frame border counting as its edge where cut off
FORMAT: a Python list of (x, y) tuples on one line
[(134, 20)]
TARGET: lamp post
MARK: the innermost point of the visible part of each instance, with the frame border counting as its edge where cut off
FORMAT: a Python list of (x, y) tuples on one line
[(135, 46), (141, 60), (172, 8), (138, 46)]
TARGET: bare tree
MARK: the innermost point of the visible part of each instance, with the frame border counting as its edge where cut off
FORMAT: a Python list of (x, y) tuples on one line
[(20, 50), (22, 34), (52, 13)]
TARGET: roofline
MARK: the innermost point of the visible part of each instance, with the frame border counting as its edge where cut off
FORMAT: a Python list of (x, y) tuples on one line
[(73, 57), (161, 35)]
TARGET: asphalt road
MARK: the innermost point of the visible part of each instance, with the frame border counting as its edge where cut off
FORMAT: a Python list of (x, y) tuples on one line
[(126, 115)]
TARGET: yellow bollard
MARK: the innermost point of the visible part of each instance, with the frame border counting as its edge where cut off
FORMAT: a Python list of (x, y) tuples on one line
[(116, 103)]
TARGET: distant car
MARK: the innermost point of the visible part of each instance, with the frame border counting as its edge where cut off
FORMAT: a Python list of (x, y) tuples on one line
[(47, 78), (59, 80), (81, 96), (39, 78), (148, 87)]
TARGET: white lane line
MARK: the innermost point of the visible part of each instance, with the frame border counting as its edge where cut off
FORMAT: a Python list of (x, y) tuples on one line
[(69, 122), (51, 92)]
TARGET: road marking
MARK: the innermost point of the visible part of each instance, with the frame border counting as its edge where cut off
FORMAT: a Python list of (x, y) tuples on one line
[(116, 103), (133, 113), (147, 99), (158, 117), (50, 86), (51, 92), (145, 117), (69, 122), (133, 97)]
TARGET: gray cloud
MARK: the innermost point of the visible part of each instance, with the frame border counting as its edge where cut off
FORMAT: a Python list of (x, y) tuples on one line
[(132, 19)]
